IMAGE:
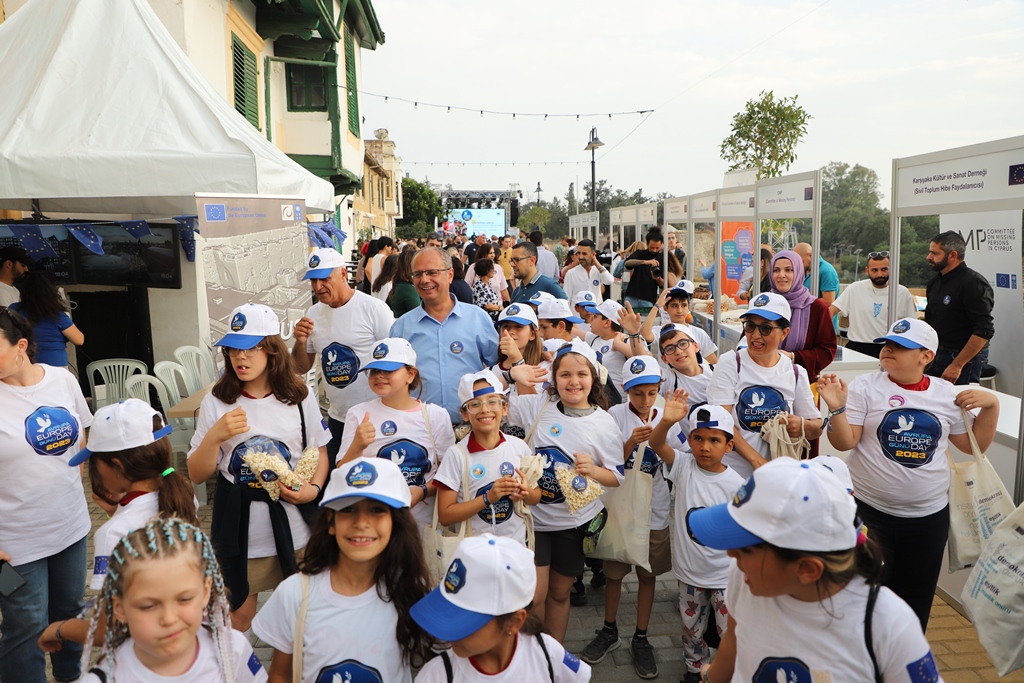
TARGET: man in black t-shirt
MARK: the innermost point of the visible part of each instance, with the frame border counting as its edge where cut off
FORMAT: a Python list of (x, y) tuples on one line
[(645, 266)]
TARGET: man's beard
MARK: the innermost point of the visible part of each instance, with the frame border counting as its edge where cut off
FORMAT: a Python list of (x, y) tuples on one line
[(937, 266), (880, 281)]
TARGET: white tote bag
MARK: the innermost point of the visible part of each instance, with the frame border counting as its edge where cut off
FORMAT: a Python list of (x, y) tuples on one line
[(439, 544), (627, 534), (994, 594), (978, 502)]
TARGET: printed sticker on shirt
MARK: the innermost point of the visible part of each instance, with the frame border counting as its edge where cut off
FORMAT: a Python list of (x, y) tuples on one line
[(502, 508), (456, 347), (349, 671), (255, 665), (256, 444), (571, 661), (507, 469), (388, 428), (555, 430), (340, 365), (757, 405), (946, 299), (51, 430), (896, 401), (595, 283), (778, 669), (478, 471), (550, 491), (923, 670), (909, 437), (99, 565), (649, 463), (410, 457)]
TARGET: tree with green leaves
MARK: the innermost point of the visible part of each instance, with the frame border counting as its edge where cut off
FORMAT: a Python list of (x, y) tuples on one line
[(420, 206), (851, 211), (534, 219), (765, 135)]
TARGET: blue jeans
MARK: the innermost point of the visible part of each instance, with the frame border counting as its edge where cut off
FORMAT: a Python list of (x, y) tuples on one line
[(971, 374), (53, 592)]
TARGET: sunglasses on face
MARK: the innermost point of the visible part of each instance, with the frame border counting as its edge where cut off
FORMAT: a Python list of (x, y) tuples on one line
[(764, 328)]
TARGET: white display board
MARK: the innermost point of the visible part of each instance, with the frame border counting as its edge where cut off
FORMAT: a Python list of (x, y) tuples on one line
[(994, 250), (676, 210), (793, 199)]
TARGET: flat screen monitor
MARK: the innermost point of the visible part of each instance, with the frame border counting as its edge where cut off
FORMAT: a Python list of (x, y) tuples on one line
[(61, 268), (153, 261)]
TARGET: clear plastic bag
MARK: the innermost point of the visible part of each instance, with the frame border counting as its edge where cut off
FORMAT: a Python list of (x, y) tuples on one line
[(579, 491)]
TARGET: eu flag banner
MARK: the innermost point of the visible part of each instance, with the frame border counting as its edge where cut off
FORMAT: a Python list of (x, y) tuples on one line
[(318, 237), (137, 229), (1017, 174), (32, 239), (84, 233), (187, 232)]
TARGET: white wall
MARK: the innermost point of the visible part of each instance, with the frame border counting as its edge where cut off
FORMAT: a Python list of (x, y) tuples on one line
[(179, 316)]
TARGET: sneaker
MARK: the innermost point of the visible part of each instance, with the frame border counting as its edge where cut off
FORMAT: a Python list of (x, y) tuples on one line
[(643, 658), (598, 579), (578, 597), (605, 642)]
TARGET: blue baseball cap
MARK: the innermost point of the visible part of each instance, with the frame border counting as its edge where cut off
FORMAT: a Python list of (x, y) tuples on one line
[(250, 324), (911, 333), (390, 354), (322, 262), (769, 306)]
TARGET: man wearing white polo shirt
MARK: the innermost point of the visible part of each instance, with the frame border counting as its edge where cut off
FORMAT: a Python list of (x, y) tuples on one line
[(589, 275), (866, 304), (341, 330)]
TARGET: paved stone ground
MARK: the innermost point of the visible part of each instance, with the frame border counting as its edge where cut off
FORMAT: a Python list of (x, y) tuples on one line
[(954, 641)]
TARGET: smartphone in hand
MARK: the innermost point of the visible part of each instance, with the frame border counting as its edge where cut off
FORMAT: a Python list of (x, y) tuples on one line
[(10, 579)]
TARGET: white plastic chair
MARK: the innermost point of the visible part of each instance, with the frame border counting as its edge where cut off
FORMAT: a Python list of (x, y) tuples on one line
[(138, 386), (173, 376), (115, 372), (198, 364)]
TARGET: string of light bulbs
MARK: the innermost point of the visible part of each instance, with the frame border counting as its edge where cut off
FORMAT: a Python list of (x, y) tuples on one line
[(514, 114), (492, 163)]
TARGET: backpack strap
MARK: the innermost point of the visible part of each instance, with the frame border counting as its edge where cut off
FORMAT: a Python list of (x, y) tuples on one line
[(449, 674), (547, 657), (872, 597), (99, 673), (302, 419), (300, 630)]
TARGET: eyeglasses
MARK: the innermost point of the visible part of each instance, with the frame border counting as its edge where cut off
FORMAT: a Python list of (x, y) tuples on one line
[(492, 404), (878, 254), (234, 353), (680, 345), (516, 259), (764, 328), (432, 273)]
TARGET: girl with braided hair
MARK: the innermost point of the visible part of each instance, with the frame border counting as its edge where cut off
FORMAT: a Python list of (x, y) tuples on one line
[(166, 612)]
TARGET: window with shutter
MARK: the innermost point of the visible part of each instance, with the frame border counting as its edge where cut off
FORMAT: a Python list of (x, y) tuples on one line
[(245, 79), (351, 90), (306, 90)]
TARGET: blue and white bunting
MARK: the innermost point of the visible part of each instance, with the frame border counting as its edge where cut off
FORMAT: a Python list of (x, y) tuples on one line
[(84, 233), (137, 229), (32, 239)]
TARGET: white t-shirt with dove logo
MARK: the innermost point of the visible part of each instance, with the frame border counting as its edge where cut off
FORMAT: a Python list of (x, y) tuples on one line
[(899, 466), (757, 394)]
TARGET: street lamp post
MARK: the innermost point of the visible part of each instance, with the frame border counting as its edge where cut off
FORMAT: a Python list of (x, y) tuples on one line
[(592, 145), (538, 193), (856, 268)]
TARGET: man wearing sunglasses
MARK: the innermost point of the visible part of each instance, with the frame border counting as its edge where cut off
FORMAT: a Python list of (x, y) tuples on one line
[(866, 304), (960, 302)]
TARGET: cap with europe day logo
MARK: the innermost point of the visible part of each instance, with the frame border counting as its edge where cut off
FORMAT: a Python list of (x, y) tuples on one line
[(374, 478), (249, 325), (520, 314), (321, 263), (769, 306), (640, 370), (391, 354), (911, 333), (119, 427), (489, 576)]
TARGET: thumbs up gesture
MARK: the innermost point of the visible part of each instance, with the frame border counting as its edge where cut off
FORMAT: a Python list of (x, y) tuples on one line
[(365, 433)]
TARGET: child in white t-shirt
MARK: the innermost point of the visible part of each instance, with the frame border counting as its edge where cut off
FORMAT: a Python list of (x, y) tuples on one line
[(682, 365), (483, 609), (129, 457), (610, 343), (361, 574), (804, 581), (758, 382), (258, 405), (397, 425), (486, 462), (674, 304), (635, 420), (701, 480), (165, 609)]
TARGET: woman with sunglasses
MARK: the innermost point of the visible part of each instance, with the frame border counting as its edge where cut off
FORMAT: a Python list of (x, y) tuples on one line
[(259, 404), (811, 341), (760, 381)]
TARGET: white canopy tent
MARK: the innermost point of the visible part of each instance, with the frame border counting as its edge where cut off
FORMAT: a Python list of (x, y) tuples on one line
[(102, 112)]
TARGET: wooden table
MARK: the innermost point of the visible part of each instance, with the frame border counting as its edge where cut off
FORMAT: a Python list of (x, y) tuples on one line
[(189, 406)]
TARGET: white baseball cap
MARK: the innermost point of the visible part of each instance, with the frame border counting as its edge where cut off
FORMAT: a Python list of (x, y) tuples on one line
[(787, 503), (580, 347), (769, 306), (584, 298), (120, 426), (711, 417), (520, 314), (390, 354), (489, 576), (837, 467), (911, 333), (466, 391), (250, 323), (640, 370), (683, 287), (540, 297), (557, 310), (375, 478), (321, 262), (610, 309)]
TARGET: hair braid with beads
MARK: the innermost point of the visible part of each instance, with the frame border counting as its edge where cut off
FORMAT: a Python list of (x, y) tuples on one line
[(162, 538)]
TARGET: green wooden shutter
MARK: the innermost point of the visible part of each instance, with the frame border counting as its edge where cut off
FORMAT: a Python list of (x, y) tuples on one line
[(245, 77), (352, 92)]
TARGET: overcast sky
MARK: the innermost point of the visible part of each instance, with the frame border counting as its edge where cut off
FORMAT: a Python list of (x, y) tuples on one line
[(881, 79)]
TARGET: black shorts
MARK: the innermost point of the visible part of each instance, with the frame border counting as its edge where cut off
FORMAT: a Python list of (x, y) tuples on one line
[(560, 550)]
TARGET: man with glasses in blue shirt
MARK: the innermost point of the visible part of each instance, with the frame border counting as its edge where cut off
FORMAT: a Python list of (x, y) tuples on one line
[(531, 280), (451, 339)]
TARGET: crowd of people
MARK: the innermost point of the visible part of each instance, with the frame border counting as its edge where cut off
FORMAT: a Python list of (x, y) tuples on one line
[(516, 419)]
